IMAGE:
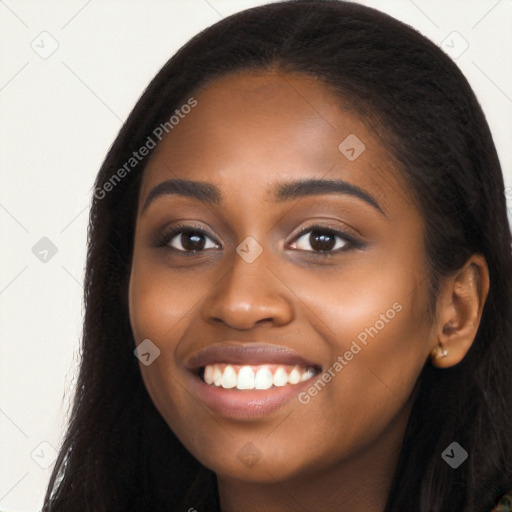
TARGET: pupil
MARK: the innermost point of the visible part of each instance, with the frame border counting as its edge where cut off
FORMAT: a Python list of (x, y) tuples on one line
[(322, 241), (192, 241)]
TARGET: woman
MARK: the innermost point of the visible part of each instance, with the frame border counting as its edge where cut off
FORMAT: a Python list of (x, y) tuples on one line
[(301, 233)]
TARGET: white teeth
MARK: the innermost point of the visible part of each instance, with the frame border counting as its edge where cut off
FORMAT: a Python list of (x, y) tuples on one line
[(245, 378), (294, 377), (208, 374), (307, 374), (280, 377), (254, 377), (217, 376), (229, 377), (263, 379)]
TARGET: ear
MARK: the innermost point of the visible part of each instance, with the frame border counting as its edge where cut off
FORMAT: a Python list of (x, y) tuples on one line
[(459, 310)]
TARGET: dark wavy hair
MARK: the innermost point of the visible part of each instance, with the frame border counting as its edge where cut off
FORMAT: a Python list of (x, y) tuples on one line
[(118, 453)]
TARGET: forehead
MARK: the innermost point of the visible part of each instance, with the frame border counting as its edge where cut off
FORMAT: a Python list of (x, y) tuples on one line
[(251, 129)]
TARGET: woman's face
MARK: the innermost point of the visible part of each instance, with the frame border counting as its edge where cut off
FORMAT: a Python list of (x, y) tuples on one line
[(277, 251)]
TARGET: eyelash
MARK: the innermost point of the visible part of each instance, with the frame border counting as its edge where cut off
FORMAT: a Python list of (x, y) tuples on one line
[(352, 242)]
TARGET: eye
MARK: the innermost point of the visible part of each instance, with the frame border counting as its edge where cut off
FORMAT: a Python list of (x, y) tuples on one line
[(323, 240), (188, 240)]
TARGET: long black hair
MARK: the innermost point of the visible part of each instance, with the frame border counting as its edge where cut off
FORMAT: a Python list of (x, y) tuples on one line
[(118, 453)]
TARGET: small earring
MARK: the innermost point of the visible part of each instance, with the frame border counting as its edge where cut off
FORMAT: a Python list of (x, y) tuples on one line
[(439, 351)]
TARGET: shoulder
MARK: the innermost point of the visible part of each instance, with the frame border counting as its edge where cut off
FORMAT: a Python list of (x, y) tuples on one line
[(504, 504)]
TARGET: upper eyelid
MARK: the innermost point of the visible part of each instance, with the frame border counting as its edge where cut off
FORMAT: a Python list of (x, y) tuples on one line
[(324, 227), (345, 233), (352, 240)]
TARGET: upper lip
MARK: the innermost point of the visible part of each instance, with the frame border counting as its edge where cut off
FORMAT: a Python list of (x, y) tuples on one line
[(247, 354)]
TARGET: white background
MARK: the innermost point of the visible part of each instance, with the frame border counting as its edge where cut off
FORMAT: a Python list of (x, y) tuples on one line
[(58, 117)]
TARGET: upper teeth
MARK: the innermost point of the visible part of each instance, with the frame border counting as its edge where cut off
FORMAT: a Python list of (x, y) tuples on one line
[(263, 376)]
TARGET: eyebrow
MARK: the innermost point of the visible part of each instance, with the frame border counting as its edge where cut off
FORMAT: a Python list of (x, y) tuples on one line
[(205, 192), (283, 191), (313, 187)]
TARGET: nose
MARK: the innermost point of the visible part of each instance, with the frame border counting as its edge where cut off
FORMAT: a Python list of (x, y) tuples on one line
[(249, 294)]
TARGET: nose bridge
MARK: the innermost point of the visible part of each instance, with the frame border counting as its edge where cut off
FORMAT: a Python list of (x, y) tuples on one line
[(249, 293)]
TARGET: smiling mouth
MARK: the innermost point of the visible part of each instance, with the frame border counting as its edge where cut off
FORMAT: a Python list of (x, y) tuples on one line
[(250, 377), (247, 381)]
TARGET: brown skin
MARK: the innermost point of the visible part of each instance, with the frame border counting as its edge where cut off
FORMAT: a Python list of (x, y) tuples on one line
[(340, 450)]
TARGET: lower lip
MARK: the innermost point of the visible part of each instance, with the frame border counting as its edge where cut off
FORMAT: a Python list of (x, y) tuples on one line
[(246, 404)]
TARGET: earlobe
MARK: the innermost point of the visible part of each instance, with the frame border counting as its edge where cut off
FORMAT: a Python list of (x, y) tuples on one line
[(460, 305), (437, 352)]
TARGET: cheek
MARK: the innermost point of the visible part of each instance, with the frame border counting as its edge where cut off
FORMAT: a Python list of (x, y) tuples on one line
[(161, 301), (164, 304), (159, 308), (374, 327)]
